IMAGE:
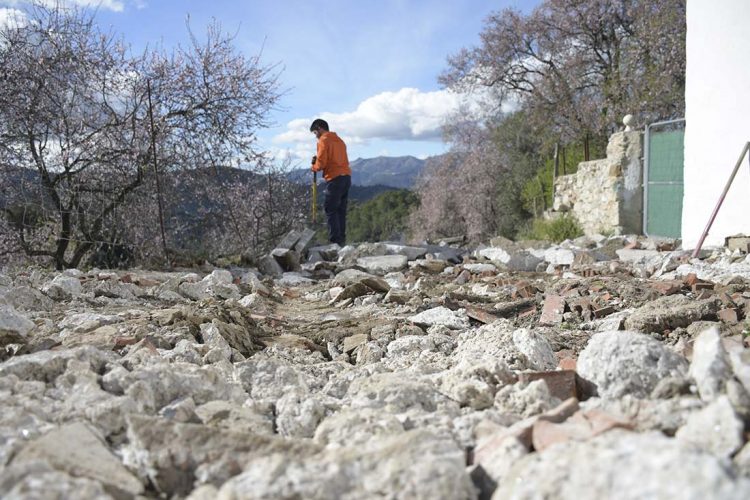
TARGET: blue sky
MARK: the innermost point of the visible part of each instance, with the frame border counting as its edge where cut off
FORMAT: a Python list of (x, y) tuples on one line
[(369, 67)]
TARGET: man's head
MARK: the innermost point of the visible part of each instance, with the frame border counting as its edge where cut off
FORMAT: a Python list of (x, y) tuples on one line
[(319, 127)]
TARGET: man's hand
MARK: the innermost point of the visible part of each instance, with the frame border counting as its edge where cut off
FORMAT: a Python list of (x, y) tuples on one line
[(314, 159)]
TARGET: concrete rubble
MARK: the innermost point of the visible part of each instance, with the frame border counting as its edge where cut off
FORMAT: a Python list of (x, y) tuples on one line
[(595, 368)]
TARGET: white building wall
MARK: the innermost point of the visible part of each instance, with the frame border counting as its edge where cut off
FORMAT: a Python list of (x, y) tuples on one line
[(717, 116)]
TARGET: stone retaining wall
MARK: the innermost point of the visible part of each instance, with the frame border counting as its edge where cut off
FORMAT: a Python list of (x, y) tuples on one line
[(606, 196)]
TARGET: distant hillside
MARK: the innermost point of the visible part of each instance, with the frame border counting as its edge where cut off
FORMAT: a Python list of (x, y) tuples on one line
[(398, 172)]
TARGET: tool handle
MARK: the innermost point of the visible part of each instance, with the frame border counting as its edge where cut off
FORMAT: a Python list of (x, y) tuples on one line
[(315, 198)]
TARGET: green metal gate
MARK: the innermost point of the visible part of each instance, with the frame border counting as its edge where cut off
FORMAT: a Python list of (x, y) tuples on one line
[(663, 175)]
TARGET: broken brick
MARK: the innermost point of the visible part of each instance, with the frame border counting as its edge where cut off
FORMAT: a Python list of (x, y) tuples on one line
[(147, 282), (667, 287), (524, 289), (561, 383), (552, 310), (589, 272), (728, 315), (121, 342), (691, 279), (632, 245), (480, 315), (568, 364), (579, 427), (583, 259), (604, 311), (702, 285), (527, 313), (726, 299), (666, 246)]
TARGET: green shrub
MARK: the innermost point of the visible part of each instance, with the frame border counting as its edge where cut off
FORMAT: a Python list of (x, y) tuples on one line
[(555, 230), (381, 218)]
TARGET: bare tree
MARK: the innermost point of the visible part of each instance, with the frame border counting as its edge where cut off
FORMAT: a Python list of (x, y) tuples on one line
[(577, 66), (74, 112)]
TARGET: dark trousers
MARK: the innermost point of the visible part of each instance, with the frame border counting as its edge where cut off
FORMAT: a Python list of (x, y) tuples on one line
[(337, 198)]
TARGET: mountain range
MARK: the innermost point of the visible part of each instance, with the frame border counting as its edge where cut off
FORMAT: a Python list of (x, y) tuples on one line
[(399, 172)]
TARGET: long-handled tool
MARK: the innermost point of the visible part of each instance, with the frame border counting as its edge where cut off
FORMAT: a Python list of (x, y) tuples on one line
[(315, 198), (698, 247)]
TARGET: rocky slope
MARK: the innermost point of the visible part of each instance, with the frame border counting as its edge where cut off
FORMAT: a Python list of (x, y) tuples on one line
[(595, 369)]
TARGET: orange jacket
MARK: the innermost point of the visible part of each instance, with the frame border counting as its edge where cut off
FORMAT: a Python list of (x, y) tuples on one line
[(332, 158)]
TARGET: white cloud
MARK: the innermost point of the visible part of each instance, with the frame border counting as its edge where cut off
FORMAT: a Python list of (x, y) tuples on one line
[(407, 114)]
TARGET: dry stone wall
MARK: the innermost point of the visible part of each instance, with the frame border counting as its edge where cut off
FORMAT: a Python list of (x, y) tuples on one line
[(606, 196)]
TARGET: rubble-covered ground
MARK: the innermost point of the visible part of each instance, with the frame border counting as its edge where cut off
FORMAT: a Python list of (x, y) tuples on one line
[(599, 368)]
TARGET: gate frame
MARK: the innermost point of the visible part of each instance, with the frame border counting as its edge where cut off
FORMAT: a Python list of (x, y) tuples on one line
[(646, 165)]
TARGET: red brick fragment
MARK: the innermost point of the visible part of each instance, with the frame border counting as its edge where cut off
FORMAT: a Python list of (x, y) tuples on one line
[(702, 285), (568, 364), (691, 279), (552, 310), (632, 245), (480, 314), (667, 287), (604, 311), (728, 315), (527, 313), (580, 427), (121, 342), (666, 246), (561, 383), (524, 290)]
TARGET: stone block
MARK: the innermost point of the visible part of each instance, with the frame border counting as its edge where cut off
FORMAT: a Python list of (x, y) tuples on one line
[(441, 316), (304, 241), (353, 341), (397, 296), (290, 239), (741, 243), (411, 253), (289, 260), (382, 264), (14, 326), (269, 266), (75, 449), (716, 429)]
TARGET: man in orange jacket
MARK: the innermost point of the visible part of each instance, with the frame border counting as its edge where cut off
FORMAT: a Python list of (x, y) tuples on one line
[(334, 163)]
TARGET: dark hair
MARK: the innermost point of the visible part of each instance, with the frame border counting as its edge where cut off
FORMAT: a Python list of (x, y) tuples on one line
[(318, 123)]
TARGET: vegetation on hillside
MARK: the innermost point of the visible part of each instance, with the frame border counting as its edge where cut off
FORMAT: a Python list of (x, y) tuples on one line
[(384, 217), (557, 79)]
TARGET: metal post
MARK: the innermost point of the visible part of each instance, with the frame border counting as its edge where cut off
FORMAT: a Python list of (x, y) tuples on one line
[(721, 200)]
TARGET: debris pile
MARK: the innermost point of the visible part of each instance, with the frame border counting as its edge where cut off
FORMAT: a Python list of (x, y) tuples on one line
[(597, 368)]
